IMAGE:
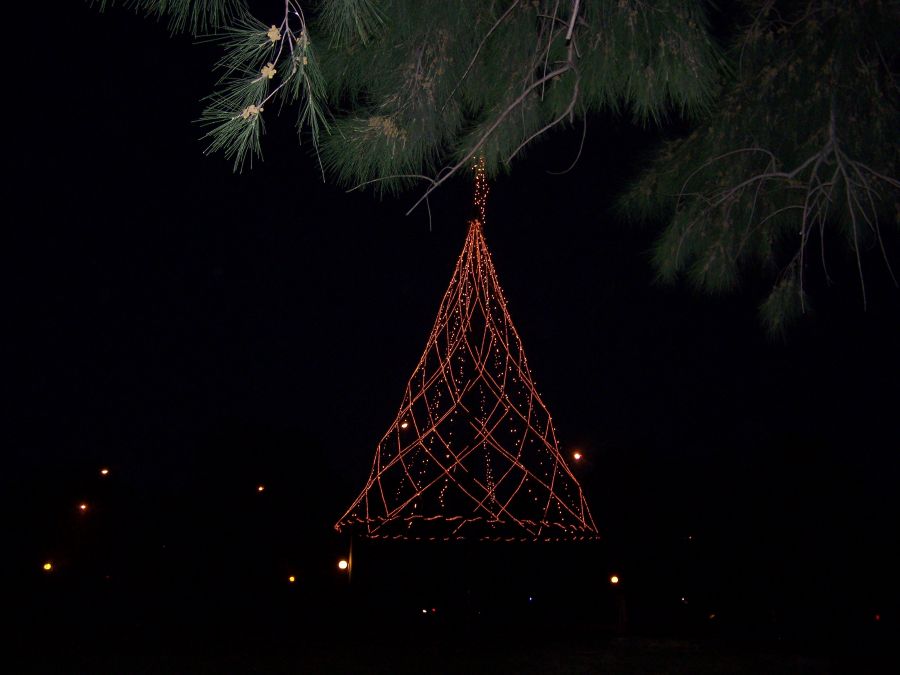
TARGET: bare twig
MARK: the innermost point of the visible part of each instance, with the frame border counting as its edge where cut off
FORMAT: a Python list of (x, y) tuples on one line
[(478, 51), (580, 148), (565, 113), (550, 38), (383, 178), (448, 172), (862, 280), (682, 193), (575, 7), (875, 227), (804, 230)]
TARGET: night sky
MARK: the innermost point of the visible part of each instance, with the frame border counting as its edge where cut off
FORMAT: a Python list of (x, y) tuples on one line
[(200, 332)]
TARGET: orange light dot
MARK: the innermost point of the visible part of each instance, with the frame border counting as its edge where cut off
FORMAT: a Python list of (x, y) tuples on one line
[(614, 580), (404, 425), (260, 488), (82, 507), (343, 564), (576, 456), (104, 472), (292, 578), (48, 566)]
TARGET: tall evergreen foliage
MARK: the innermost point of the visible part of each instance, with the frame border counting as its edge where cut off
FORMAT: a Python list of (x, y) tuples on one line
[(800, 149), (794, 128)]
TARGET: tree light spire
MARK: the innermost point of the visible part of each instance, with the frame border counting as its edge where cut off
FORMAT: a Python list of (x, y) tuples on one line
[(472, 452), (481, 189)]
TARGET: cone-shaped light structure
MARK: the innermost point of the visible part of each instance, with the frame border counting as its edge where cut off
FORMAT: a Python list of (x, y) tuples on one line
[(472, 452)]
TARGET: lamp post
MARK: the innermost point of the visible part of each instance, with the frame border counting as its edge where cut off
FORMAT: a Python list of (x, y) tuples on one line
[(621, 611)]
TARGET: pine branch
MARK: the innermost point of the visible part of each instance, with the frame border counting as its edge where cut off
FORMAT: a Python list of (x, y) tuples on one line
[(351, 21), (451, 171), (196, 16), (796, 149), (254, 55), (481, 44)]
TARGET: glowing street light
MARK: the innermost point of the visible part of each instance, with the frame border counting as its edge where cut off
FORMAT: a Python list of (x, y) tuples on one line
[(260, 488), (404, 425), (82, 507), (292, 579), (48, 566), (343, 564), (104, 471), (576, 456), (614, 580)]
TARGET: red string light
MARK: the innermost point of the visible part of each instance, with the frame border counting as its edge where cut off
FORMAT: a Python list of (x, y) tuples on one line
[(481, 189), (472, 452)]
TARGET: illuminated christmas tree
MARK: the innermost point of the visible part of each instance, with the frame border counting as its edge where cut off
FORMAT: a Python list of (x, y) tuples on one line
[(472, 452)]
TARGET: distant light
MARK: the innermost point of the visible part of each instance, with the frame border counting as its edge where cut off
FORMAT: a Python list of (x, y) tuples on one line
[(82, 507), (260, 488), (684, 600), (343, 564), (712, 616), (614, 580), (424, 611), (576, 456), (877, 617), (292, 579), (48, 566), (433, 609), (404, 425), (530, 599), (104, 472)]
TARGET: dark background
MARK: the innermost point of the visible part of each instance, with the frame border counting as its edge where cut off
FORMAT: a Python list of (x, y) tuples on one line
[(201, 332)]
